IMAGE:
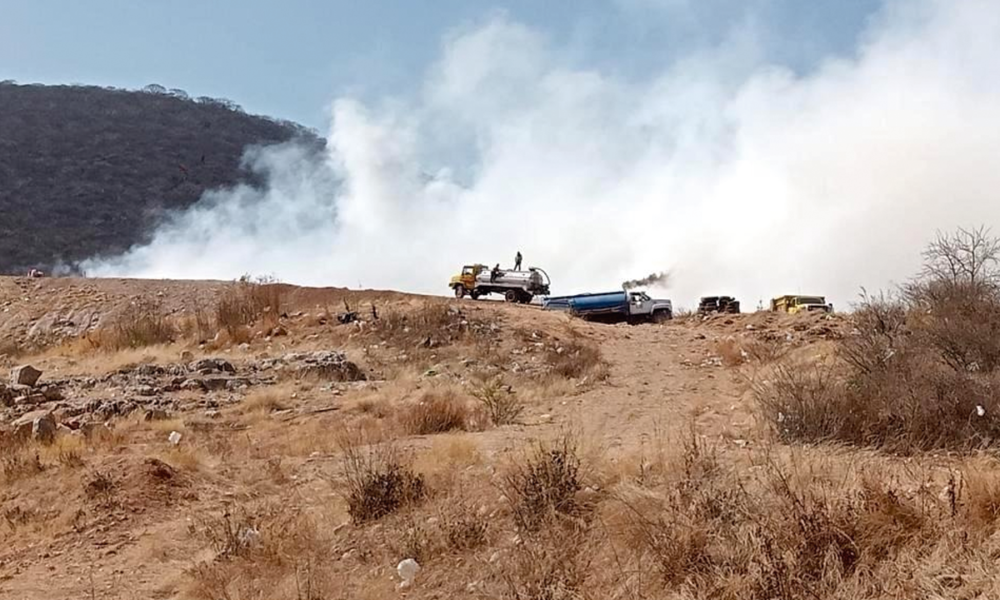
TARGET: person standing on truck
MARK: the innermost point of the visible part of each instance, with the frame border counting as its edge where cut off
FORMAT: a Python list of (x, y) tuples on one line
[(517, 261)]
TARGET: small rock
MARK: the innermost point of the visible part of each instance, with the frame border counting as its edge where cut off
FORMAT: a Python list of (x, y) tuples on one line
[(192, 385), (146, 390), (155, 414), (24, 375), (38, 425), (52, 393), (187, 356)]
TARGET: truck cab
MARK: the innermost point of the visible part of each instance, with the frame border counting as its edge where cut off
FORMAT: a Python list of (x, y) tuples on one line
[(642, 306), (466, 280), (793, 304)]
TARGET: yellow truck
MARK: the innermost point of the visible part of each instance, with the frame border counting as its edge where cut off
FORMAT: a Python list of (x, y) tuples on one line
[(793, 304), (515, 286)]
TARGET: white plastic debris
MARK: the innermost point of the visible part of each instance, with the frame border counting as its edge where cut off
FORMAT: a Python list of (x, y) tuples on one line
[(980, 410), (407, 570), (174, 437), (249, 536)]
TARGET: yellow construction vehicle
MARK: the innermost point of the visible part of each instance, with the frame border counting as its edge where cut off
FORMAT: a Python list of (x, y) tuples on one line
[(793, 304)]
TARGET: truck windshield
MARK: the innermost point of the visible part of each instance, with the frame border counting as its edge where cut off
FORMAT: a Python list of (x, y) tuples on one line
[(809, 300)]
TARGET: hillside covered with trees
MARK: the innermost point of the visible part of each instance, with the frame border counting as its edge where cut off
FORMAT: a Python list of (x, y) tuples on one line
[(88, 171)]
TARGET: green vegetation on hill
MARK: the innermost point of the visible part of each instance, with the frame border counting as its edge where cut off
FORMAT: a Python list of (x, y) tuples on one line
[(88, 171)]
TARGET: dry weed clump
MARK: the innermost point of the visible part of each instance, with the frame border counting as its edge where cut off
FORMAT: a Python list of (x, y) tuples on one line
[(247, 302), (920, 372), (499, 401), (142, 323), (258, 549), (265, 400), (792, 528), (19, 459), (552, 564), (377, 481), (436, 412), (545, 484)]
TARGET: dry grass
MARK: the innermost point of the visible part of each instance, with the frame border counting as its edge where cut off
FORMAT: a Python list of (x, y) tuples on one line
[(892, 388), (261, 550), (140, 324), (246, 303), (544, 484), (376, 481), (431, 325), (266, 400), (575, 359), (499, 401), (921, 370), (436, 412)]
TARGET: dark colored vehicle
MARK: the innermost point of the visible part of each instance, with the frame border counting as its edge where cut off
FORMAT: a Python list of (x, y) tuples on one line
[(718, 304)]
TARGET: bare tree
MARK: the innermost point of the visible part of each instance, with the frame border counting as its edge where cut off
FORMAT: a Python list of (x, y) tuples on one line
[(966, 257)]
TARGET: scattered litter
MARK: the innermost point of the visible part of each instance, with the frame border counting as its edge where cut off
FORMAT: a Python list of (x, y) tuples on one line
[(174, 438), (980, 410), (407, 570)]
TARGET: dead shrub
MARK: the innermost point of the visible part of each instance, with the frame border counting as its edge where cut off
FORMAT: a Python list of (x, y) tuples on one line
[(776, 531), (18, 459), (920, 371), (544, 484), (547, 565), (437, 412), (198, 325), (256, 547), (142, 323), (731, 352), (464, 529), (247, 302), (100, 487), (264, 400), (377, 481), (500, 402)]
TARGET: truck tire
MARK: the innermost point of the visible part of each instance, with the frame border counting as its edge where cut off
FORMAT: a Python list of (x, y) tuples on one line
[(510, 296), (474, 294), (662, 316), (526, 298), (460, 291)]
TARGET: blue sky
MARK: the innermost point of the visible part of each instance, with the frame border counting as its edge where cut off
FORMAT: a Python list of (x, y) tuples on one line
[(290, 59)]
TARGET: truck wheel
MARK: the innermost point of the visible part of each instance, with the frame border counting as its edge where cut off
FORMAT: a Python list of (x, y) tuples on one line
[(510, 296), (661, 316), (526, 298), (460, 291), (474, 294)]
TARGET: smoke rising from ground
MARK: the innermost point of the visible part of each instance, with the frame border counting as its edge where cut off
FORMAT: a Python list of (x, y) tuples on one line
[(742, 178)]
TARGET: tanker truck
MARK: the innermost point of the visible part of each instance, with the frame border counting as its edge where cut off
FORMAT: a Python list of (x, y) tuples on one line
[(613, 307), (515, 286)]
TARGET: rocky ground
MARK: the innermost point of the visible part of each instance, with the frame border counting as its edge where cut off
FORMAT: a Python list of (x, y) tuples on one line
[(144, 470)]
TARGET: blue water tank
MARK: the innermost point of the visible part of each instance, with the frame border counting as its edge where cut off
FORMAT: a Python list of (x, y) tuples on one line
[(608, 302)]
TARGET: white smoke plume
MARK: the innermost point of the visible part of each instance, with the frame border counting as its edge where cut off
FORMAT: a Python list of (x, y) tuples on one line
[(742, 178)]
